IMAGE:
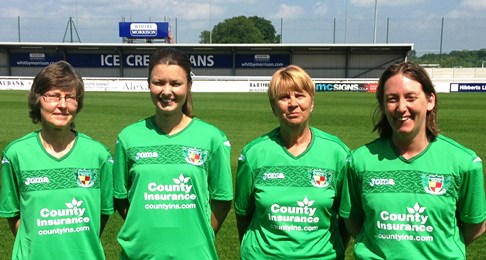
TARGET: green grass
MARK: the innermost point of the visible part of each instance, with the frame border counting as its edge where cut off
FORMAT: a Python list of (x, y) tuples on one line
[(243, 116)]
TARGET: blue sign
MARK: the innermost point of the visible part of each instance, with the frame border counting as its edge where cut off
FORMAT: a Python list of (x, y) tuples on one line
[(211, 61), (143, 60), (108, 60), (259, 61), (154, 30), (34, 59), (468, 87), (85, 60)]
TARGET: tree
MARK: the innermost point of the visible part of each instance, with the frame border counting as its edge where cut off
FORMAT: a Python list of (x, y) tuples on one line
[(237, 30), (463, 58), (241, 29), (412, 55), (204, 37), (266, 28)]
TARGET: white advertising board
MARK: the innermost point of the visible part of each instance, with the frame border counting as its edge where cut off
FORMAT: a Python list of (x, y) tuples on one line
[(200, 84)]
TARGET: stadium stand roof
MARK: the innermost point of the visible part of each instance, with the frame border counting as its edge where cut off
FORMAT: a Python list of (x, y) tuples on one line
[(130, 60)]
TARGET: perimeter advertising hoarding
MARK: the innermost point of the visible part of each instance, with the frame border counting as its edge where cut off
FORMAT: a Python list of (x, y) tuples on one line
[(199, 85), (140, 85), (16, 84), (346, 86), (143, 30), (468, 87)]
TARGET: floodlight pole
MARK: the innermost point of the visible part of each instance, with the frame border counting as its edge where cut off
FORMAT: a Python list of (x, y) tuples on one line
[(376, 16), (441, 38), (76, 12), (70, 25), (334, 32), (387, 28), (18, 23), (345, 19), (210, 23)]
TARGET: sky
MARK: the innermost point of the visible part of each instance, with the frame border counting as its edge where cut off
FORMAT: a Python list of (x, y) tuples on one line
[(433, 26)]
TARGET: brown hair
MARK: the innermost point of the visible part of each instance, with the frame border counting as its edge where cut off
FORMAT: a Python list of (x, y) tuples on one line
[(416, 73), (172, 56), (59, 75)]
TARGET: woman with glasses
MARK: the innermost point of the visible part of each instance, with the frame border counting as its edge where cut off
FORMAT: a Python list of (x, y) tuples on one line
[(172, 174), (57, 183)]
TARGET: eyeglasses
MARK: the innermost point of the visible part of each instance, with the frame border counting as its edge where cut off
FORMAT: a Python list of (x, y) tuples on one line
[(56, 98)]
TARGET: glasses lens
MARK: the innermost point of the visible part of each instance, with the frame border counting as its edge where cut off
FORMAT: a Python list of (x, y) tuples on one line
[(51, 98), (54, 98), (71, 99)]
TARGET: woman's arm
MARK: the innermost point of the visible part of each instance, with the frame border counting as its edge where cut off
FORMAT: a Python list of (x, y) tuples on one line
[(219, 211), (14, 224), (345, 237), (104, 220), (122, 205), (242, 223), (472, 231), (353, 226)]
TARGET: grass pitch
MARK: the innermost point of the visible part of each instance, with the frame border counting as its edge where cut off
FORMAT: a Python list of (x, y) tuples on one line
[(243, 116)]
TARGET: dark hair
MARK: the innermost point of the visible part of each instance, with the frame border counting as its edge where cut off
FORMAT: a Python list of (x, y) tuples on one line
[(417, 73), (172, 56), (59, 75)]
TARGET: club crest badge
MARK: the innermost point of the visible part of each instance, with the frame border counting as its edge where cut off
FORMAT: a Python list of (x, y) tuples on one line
[(320, 178), (85, 178), (435, 184), (195, 156)]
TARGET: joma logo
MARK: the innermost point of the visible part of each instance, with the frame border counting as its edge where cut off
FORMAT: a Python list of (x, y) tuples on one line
[(36, 180)]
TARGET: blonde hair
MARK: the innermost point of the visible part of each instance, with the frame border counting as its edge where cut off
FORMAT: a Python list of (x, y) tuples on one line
[(290, 78)]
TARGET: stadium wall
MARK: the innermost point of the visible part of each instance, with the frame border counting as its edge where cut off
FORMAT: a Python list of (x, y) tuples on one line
[(445, 80)]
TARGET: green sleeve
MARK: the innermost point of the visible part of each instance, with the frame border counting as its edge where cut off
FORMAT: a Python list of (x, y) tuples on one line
[(9, 196), (120, 172), (341, 175), (107, 207), (351, 205), (244, 200), (220, 179), (471, 203)]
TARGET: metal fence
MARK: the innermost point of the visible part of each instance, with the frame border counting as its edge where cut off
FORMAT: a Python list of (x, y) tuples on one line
[(429, 34)]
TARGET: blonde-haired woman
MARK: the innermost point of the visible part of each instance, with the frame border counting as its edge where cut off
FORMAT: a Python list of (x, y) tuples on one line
[(289, 180)]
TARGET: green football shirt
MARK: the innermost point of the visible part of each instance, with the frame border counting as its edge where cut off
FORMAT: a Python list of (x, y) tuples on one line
[(59, 200), (411, 208), (293, 200), (169, 181)]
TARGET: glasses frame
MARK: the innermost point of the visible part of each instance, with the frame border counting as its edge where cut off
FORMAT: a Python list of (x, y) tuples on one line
[(55, 98)]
